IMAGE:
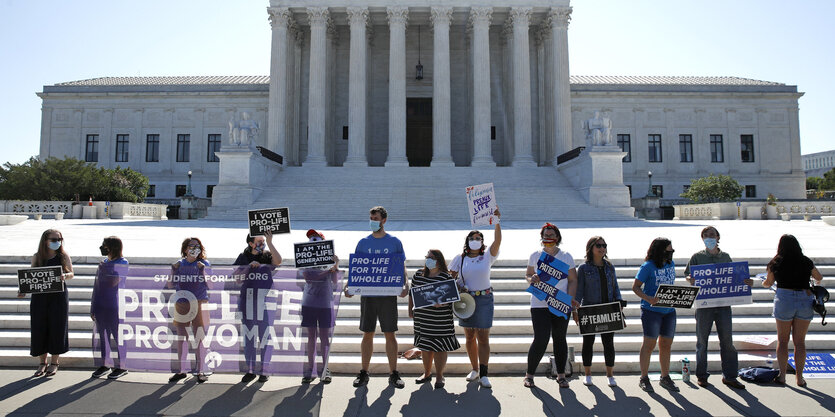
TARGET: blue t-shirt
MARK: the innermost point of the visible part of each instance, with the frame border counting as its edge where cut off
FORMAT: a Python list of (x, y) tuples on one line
[(385, 244), (195, 282), (652, 276)]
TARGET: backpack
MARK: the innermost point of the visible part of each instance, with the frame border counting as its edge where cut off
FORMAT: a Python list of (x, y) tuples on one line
[(759, 374)]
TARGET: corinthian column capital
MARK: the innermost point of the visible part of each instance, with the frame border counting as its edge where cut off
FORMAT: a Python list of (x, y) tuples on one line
[(559, 17), (440, 16), (397, 15), (279, 16)]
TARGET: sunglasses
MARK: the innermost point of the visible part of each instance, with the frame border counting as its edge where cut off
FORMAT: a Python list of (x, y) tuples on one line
[(670, 251), (193, 246), (601, 245), (56, 239)]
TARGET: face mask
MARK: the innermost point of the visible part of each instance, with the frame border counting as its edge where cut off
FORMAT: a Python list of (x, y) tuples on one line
[(548, 243), (54, 245), (374, 225), (260, 248), (431, 263), (474, 244), (104, 250), (194, 252), (710, 243)]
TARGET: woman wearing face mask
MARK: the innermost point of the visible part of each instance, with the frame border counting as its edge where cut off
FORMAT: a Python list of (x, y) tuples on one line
[(659, 323), (317, 311), (256, 260), (597, 283), (547, 325), (189, 274), (471, 269), (104, 306), (434, 326), (48, 312)]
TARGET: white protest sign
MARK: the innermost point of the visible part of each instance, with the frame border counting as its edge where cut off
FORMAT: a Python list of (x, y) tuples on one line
[(481, 203)]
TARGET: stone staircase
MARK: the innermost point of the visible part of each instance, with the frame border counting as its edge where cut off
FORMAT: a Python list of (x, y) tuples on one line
[(437, 194), (510, 336)]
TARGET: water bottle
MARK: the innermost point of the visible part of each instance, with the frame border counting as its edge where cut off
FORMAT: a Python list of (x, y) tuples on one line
[(685, 370), (769, 362)]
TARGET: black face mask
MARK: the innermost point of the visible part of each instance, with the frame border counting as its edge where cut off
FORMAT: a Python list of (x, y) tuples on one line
[(104, 250)]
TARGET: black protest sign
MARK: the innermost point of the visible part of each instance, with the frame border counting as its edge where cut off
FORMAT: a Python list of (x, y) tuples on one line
[(40, 280), (312, 254), (600, 318), (441, 292), (676, 296), (276, 220)]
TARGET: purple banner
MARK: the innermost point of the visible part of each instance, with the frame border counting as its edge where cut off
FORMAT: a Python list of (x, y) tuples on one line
[(217, 319)]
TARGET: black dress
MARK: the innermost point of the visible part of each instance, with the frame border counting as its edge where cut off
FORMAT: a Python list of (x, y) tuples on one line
[(434, 326), (48, 316)]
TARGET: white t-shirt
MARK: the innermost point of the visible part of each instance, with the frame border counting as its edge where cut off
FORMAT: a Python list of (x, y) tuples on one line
[(476, 271), (562, 285)]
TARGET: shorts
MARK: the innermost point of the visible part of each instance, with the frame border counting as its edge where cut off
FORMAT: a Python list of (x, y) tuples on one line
[(658, 324), (383, 309), (792, 304), (317, 317), (482, 318)]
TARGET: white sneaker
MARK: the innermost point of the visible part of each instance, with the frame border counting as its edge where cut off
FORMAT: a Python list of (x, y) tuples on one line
[(472, 376), (485, 383), (587, 381), (612, 382)]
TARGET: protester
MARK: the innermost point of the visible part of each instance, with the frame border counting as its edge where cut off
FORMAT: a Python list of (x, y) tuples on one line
[(434, 325), (792, 303), (722, 316), (257, 260), (383, 308), (545, 323), (189, 274), (471, 269), (49, 312), (104, 307), (317, 311), (597, 283), (659, 323)]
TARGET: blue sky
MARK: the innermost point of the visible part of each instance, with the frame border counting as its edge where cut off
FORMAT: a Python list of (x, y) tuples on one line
[(46, 42)]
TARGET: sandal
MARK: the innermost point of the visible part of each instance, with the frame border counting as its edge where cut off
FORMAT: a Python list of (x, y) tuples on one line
[(802, 383), (52, 369), (780, 379), (41, 369), (563, 382), (529, 382)]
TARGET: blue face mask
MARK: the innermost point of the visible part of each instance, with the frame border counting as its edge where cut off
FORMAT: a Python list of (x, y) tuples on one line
[(710, 243), (54, 245), (374, 225), (431, 263)]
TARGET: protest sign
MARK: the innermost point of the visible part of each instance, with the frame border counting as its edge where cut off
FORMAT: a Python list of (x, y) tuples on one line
[(551, 271), (721, 284), (549, 267), (817, 365), (600, 318), (676, 296), (313, 254), (441, 292), (376, 274), (40, 280), (481, 203), (276, 220)]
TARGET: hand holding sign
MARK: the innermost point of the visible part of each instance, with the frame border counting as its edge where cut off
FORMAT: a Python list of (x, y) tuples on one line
[(481, 204)]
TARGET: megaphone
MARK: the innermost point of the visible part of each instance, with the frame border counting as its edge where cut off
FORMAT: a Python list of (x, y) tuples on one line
[(465, 307)]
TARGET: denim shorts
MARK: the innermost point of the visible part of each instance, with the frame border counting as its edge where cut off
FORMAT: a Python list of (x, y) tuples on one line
[(482, 318), (658, 324), (792, 304)]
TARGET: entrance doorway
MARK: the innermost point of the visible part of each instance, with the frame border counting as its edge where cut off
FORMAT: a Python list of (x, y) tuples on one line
[(419, 131)]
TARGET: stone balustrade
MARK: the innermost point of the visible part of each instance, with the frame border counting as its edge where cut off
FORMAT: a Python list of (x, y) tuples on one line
[(115, 210), (730, 211)]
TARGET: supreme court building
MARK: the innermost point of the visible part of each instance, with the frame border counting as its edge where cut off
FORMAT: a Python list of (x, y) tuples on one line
[(381, 88)]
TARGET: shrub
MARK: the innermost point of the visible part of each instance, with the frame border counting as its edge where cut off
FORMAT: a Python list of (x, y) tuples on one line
[(712, 189)]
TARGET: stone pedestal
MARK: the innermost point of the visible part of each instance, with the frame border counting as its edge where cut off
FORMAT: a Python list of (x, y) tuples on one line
[(194, 207), (598, 175), (243, 175), (89, 212), (648, 207)]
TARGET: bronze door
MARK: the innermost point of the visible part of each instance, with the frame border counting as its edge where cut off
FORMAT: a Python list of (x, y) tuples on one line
[(419, 131)]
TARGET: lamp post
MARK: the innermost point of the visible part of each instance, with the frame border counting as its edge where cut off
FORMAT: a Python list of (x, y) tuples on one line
[(649, 190), (188, 187), (419, 66)]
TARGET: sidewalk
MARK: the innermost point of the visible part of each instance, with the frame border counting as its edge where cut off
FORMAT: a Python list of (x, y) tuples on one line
[(73, 393)]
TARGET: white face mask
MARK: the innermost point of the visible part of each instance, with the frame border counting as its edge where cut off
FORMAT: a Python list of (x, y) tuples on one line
[(54, 245), (475, 244), (431, 263), (194, 252)]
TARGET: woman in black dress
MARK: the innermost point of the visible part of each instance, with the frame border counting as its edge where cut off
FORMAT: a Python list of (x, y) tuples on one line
[(48, 313), (434, 325)]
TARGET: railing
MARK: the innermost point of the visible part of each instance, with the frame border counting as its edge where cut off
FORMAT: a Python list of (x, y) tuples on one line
[(752, 210), (570, 155)]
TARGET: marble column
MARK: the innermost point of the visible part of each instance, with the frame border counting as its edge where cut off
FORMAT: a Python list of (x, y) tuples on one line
[(520, 19), (357, 90), (280, 19), (480, 19), (46, 135), (397, 18), (317, 103), (441, 17), (558, 19)]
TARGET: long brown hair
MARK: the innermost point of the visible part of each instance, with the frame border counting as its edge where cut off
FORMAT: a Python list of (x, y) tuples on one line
[(467, 244), (114, 245), (42, 255), (590, 250), (439, 258), (657, 252), (184, 248)]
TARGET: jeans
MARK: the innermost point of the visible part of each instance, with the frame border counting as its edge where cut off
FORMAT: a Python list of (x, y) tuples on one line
[(705, 317)]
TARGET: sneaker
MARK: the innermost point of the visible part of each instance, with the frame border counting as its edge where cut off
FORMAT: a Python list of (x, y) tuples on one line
[(263, 378), (472, 376), (362, 379), (308, 379), (645, 384), (201, 378), (394, 379), (176, 377), (326, 376), (248, 377), (587, 381), (117, 373), (485, 383), (612, 382), (102, 371), (668, 383)]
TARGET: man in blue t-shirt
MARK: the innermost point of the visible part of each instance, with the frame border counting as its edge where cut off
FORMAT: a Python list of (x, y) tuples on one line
[(384, 308)]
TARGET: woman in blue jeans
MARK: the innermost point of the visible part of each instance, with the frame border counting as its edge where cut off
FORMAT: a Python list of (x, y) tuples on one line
[(659, 322), (792, 303)]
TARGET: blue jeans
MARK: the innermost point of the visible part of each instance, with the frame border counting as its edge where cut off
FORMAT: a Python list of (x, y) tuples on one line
[(705, 317)]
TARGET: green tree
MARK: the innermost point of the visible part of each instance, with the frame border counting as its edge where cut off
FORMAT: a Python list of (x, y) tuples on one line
[(828, 182), (814, 183), (712, 189), (61, 179)]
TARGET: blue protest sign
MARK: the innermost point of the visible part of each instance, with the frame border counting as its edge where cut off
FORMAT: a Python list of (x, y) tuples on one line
[(550, 271), (376, 274), (818, 365), (549, 267), (721, 284)]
